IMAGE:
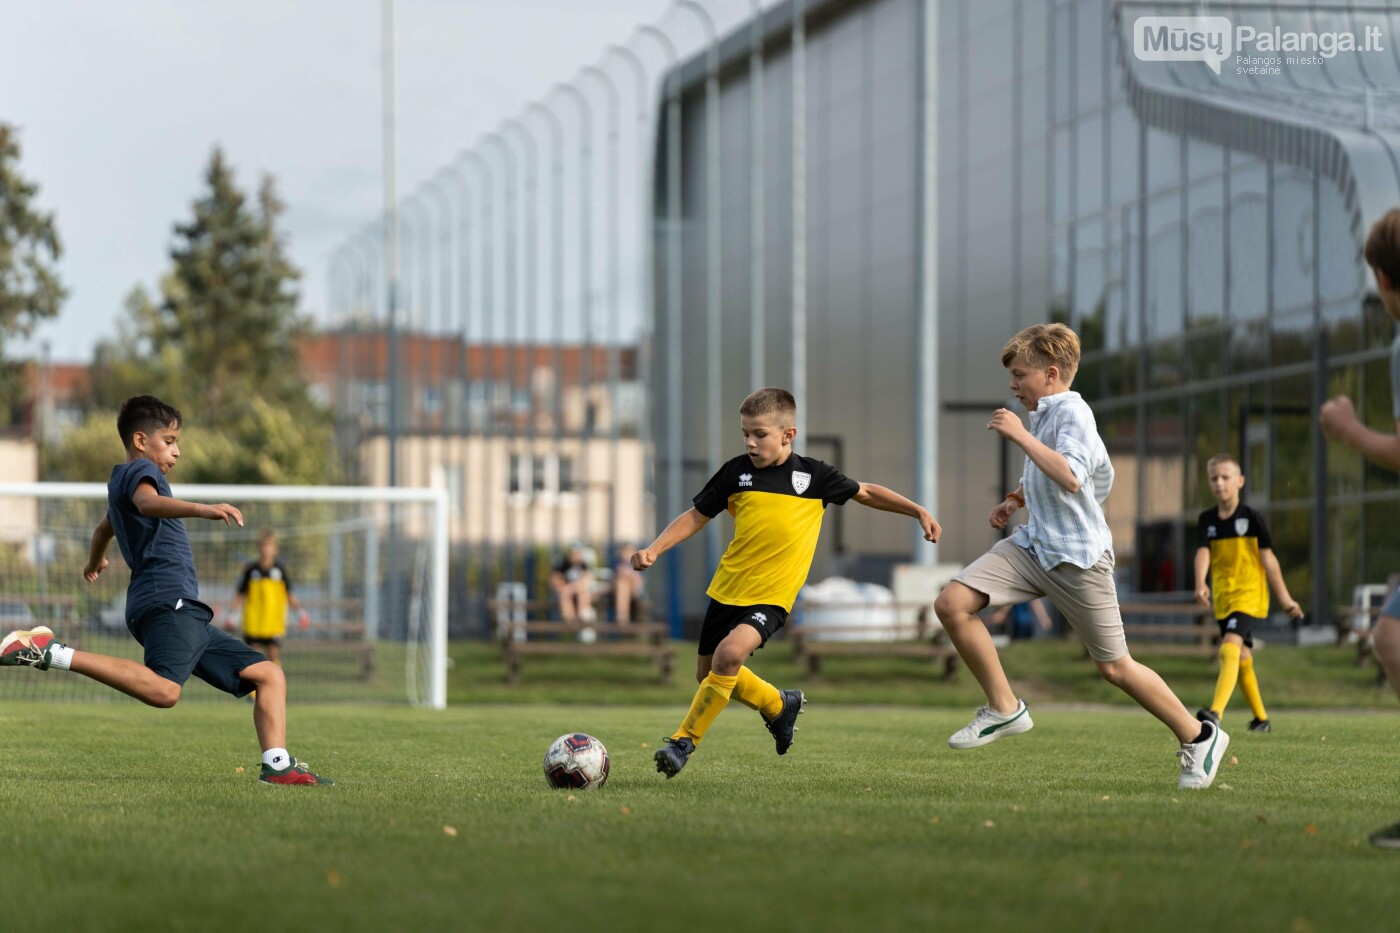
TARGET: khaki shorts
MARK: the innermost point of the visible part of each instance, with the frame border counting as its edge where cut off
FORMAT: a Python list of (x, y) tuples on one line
[(1008, 574)]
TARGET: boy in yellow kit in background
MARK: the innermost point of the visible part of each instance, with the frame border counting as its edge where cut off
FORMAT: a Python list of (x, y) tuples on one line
[(1233, 543), (778, 499), (264, 592)]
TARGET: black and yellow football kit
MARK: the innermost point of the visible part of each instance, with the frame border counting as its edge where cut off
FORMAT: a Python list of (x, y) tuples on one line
[(777, 518), (1239, 590), (264, 591)]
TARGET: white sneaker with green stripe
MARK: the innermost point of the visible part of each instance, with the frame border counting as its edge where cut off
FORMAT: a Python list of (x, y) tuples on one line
[(1200, 760), (989, 725)]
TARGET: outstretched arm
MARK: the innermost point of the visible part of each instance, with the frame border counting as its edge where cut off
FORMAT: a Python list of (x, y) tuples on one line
[(887, 500), (153, 505), (97, 553), (683, 526), (1339, 423), (1274, 573)]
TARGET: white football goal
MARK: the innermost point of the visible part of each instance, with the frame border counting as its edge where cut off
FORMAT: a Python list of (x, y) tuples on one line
[(368, 565)]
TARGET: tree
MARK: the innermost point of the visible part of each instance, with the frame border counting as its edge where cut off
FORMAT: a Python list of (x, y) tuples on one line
[(221, 345), (30, 290)]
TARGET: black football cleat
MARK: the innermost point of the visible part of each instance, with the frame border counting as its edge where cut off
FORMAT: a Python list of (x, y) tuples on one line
[(784, 724), (672, 756)]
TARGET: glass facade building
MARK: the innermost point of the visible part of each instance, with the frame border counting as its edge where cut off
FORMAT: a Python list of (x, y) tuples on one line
[(1201, 233)]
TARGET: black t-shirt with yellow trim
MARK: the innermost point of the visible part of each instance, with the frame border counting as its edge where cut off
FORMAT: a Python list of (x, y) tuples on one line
[(1237, 580), (265, 590), (777, 517)]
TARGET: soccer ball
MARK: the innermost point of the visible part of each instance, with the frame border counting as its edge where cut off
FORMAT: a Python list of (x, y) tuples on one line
[(577, 762)]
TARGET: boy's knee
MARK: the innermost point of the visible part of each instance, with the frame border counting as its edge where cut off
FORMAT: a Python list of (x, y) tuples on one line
[(1116, 671), (955, 601), (727, 661), (163, 695), (1387, 634), (264, 675)]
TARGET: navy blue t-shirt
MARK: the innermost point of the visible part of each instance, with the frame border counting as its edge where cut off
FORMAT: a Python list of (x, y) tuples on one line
[(156, 549)]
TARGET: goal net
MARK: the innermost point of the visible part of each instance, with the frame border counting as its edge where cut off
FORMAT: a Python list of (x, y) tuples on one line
[(368, 566)]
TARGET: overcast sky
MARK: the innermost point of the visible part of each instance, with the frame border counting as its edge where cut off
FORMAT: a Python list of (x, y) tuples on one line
[(119, 103)]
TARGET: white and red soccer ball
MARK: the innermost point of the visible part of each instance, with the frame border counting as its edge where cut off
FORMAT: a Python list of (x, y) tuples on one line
[(576, 762)]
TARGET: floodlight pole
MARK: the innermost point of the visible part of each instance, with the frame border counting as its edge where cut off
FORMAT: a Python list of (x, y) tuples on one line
[(713, 228), (585, 197), (645, 309), (391, 235), (615, 330), (674, 455), (758, 194), (556, 283)]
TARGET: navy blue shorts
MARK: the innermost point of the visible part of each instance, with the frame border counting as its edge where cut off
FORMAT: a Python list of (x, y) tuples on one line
[(179, 641), (721, 619)]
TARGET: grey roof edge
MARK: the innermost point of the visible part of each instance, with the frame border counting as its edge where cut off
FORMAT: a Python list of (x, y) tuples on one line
[(1362, 163)]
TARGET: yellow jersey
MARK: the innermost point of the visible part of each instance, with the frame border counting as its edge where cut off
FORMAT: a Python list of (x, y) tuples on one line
[(264, 591), (777, 517), (1237, 580)]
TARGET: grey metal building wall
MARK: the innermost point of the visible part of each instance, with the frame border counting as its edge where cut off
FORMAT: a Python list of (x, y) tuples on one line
[(862, 140)]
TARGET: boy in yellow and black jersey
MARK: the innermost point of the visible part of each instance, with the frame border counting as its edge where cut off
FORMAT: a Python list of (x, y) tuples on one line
[(777, 498), (1234, 545), (264, 592)]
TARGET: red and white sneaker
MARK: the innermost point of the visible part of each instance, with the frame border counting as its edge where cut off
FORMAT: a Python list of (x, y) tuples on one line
[(29, 647), (294, 773)]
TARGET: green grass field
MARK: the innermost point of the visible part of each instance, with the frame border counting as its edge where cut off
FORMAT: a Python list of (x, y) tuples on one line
[(117, 817)]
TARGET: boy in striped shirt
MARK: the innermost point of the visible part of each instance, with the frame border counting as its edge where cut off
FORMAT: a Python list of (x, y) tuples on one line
[(1065, 552)]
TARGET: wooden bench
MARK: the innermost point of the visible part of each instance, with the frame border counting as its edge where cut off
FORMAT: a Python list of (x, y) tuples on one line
[(333, 638), (1196, 637), (879, 641), (649, 640)]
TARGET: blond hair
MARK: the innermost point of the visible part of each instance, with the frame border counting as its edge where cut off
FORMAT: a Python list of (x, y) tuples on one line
[(771, 401), (1043, 346), (1382, 250), (1218, 459)]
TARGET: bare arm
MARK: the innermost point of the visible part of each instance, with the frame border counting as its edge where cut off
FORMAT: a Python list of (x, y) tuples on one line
[(97, 553), (683, 526), (153, 505), (1339, 423), (1202, 568), (1051, 463), (887, 500), (1274, 573)]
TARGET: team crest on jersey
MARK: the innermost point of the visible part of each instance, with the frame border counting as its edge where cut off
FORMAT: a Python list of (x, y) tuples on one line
[(800, 481), (1241, 525)]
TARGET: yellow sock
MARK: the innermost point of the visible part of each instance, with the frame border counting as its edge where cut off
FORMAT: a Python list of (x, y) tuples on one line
[(710, 700), (756, 693), (1249, 686), (1229, 673)]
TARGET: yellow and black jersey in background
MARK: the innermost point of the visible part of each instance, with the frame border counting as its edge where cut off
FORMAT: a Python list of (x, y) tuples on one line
[(777, 517), (1237, 580), (264, 591)]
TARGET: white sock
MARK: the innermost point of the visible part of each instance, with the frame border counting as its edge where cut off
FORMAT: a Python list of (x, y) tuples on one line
[(60, 657), (277, 759)]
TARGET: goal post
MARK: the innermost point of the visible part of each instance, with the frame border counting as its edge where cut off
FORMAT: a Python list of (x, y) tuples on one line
[(369, 564)]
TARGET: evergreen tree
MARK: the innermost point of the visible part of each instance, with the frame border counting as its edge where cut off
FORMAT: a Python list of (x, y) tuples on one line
[(220, 344), (29, 287)]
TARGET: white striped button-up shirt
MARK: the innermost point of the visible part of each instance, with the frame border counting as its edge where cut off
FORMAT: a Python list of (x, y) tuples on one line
[(1067, 527)]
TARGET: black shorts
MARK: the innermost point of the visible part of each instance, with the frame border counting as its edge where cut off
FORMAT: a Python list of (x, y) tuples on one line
[(721, 619), (270, 640), (1237, 623), (179, 641)]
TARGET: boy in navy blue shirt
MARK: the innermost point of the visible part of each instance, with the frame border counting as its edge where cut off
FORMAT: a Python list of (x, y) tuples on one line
[(163, 611)]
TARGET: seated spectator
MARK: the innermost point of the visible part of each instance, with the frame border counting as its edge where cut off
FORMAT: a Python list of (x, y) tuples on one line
[(572, 580)]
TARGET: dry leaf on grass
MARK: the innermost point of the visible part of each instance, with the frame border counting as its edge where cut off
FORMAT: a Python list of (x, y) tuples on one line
[(449, 831)]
